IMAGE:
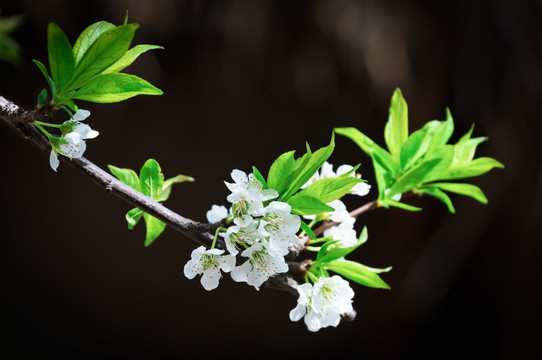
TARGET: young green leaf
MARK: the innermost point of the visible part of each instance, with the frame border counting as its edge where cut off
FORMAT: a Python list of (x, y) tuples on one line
[(154, 228), (88, 37), (370, 147), (109, 88), (329, 189), (396, 129), (440, 195), (166, 188), (400, 205), (105, 51), (476, 167), (151, 179), (133, 216), (308, 230), (61, 60), (414, 148), (357, 272), (280, 170), (304, 171), (258, 175), (334, 252), (127, 176), (129, 57), (43, 70), (469, 190), (413, 178), (306, 205), (440, 131), (42, 98)]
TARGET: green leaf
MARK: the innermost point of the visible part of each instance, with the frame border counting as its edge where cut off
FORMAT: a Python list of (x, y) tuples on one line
[(129, 57), (396, 129), (42, 98), (127, 176), (440, 131), (133, 216), (61, 60), (357, 272), (105, 51), (109, 88), (329, 189), (322, 252), (306, 205), (280, 170), (415, 147), (469, 190), (89, 37), (154, 228), (308, 230), (476, 167), (400, 205), (151, 179), (166, 188), (335, 252), (440, 195), (370, 147), (413, 178), (304, 171), (445, 154), (258, 175), (43, 70)]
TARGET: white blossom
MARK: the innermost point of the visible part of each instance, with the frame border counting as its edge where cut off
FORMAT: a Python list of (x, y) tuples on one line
[(279, 226), (323, 304), (241, 237), (73, 143), (344, 232), (262, 264), (247, 196), (209, 263)]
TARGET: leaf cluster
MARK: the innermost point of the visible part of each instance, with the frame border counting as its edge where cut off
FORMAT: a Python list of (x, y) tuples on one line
[(151, 183), (330, 257), (422, 162), (288, 174), (91, 69)]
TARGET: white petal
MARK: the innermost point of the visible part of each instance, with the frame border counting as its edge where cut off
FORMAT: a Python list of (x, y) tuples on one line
[(80, 115), (192, 268), (298, 312), (361, 189), (53, 160), (210, 278), (227, 262), (240, 177), (240, 273), (217, 213)]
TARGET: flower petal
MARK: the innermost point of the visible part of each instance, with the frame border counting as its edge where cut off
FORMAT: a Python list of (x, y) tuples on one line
[(53, 160)]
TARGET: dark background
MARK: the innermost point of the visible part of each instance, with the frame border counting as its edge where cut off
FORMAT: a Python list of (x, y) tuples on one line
[(245, 81)]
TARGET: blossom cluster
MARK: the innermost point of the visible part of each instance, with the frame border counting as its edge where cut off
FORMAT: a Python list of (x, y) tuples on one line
[(261, 231)]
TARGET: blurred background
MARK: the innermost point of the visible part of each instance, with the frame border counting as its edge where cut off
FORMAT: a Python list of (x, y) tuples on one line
[(245, 81)]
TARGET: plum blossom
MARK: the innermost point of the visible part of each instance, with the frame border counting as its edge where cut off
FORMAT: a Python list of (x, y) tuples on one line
[(247, 196), (323, 304), (280, 226), (241, 237), (209, 263), (72, 144), (261, 265), (344, 232)]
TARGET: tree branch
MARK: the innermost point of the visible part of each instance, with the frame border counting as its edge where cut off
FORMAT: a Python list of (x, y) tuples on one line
[(21, 120)]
